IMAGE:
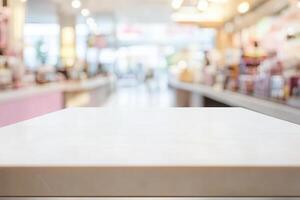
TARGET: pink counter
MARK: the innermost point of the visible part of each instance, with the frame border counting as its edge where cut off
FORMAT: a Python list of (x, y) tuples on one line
[(27, 103), (29, 107)]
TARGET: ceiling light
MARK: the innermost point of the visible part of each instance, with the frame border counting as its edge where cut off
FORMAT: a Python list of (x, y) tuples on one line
[(244, 7), (76, 4), (290, 31), (92, 24), (23, 1), (202, 5), (90, 21), (176, 4), (85, 12), (218, 1), (197, 17)]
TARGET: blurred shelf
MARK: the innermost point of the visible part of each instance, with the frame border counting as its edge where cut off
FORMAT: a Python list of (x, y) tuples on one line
[(68, 86), (29, 102), (268, 107)]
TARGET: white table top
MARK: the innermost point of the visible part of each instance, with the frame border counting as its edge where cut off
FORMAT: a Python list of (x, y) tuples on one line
[(164, 143)]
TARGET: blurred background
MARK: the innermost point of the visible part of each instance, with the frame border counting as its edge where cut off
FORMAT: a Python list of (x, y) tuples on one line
[(149, 53)]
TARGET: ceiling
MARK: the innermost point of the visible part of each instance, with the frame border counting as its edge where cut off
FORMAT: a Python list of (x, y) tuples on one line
[(41, 11), (130, 11), (216, 14), (144, 11)]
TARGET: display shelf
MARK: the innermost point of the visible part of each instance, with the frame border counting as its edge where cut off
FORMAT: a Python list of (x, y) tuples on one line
[(268, 107), (26, 103), (68, 86)]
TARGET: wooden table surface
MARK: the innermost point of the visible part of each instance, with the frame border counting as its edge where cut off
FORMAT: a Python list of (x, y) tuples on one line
[(193, 152)]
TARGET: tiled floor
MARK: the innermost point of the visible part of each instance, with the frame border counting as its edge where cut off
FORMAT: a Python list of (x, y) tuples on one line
[(142, 95)]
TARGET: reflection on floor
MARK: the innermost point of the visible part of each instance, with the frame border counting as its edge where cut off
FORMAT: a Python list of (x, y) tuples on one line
[(141, 95)]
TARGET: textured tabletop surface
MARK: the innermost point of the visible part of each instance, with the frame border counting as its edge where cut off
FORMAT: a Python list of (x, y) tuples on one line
[(150, 152), (151, 137)]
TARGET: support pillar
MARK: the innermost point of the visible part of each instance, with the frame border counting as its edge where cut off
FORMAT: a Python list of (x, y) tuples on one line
[(67, 21), (17, 9), (223, 40)]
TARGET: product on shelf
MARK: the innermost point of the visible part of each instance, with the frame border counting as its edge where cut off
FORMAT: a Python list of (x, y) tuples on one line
[(277, 87), (262, 85)]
